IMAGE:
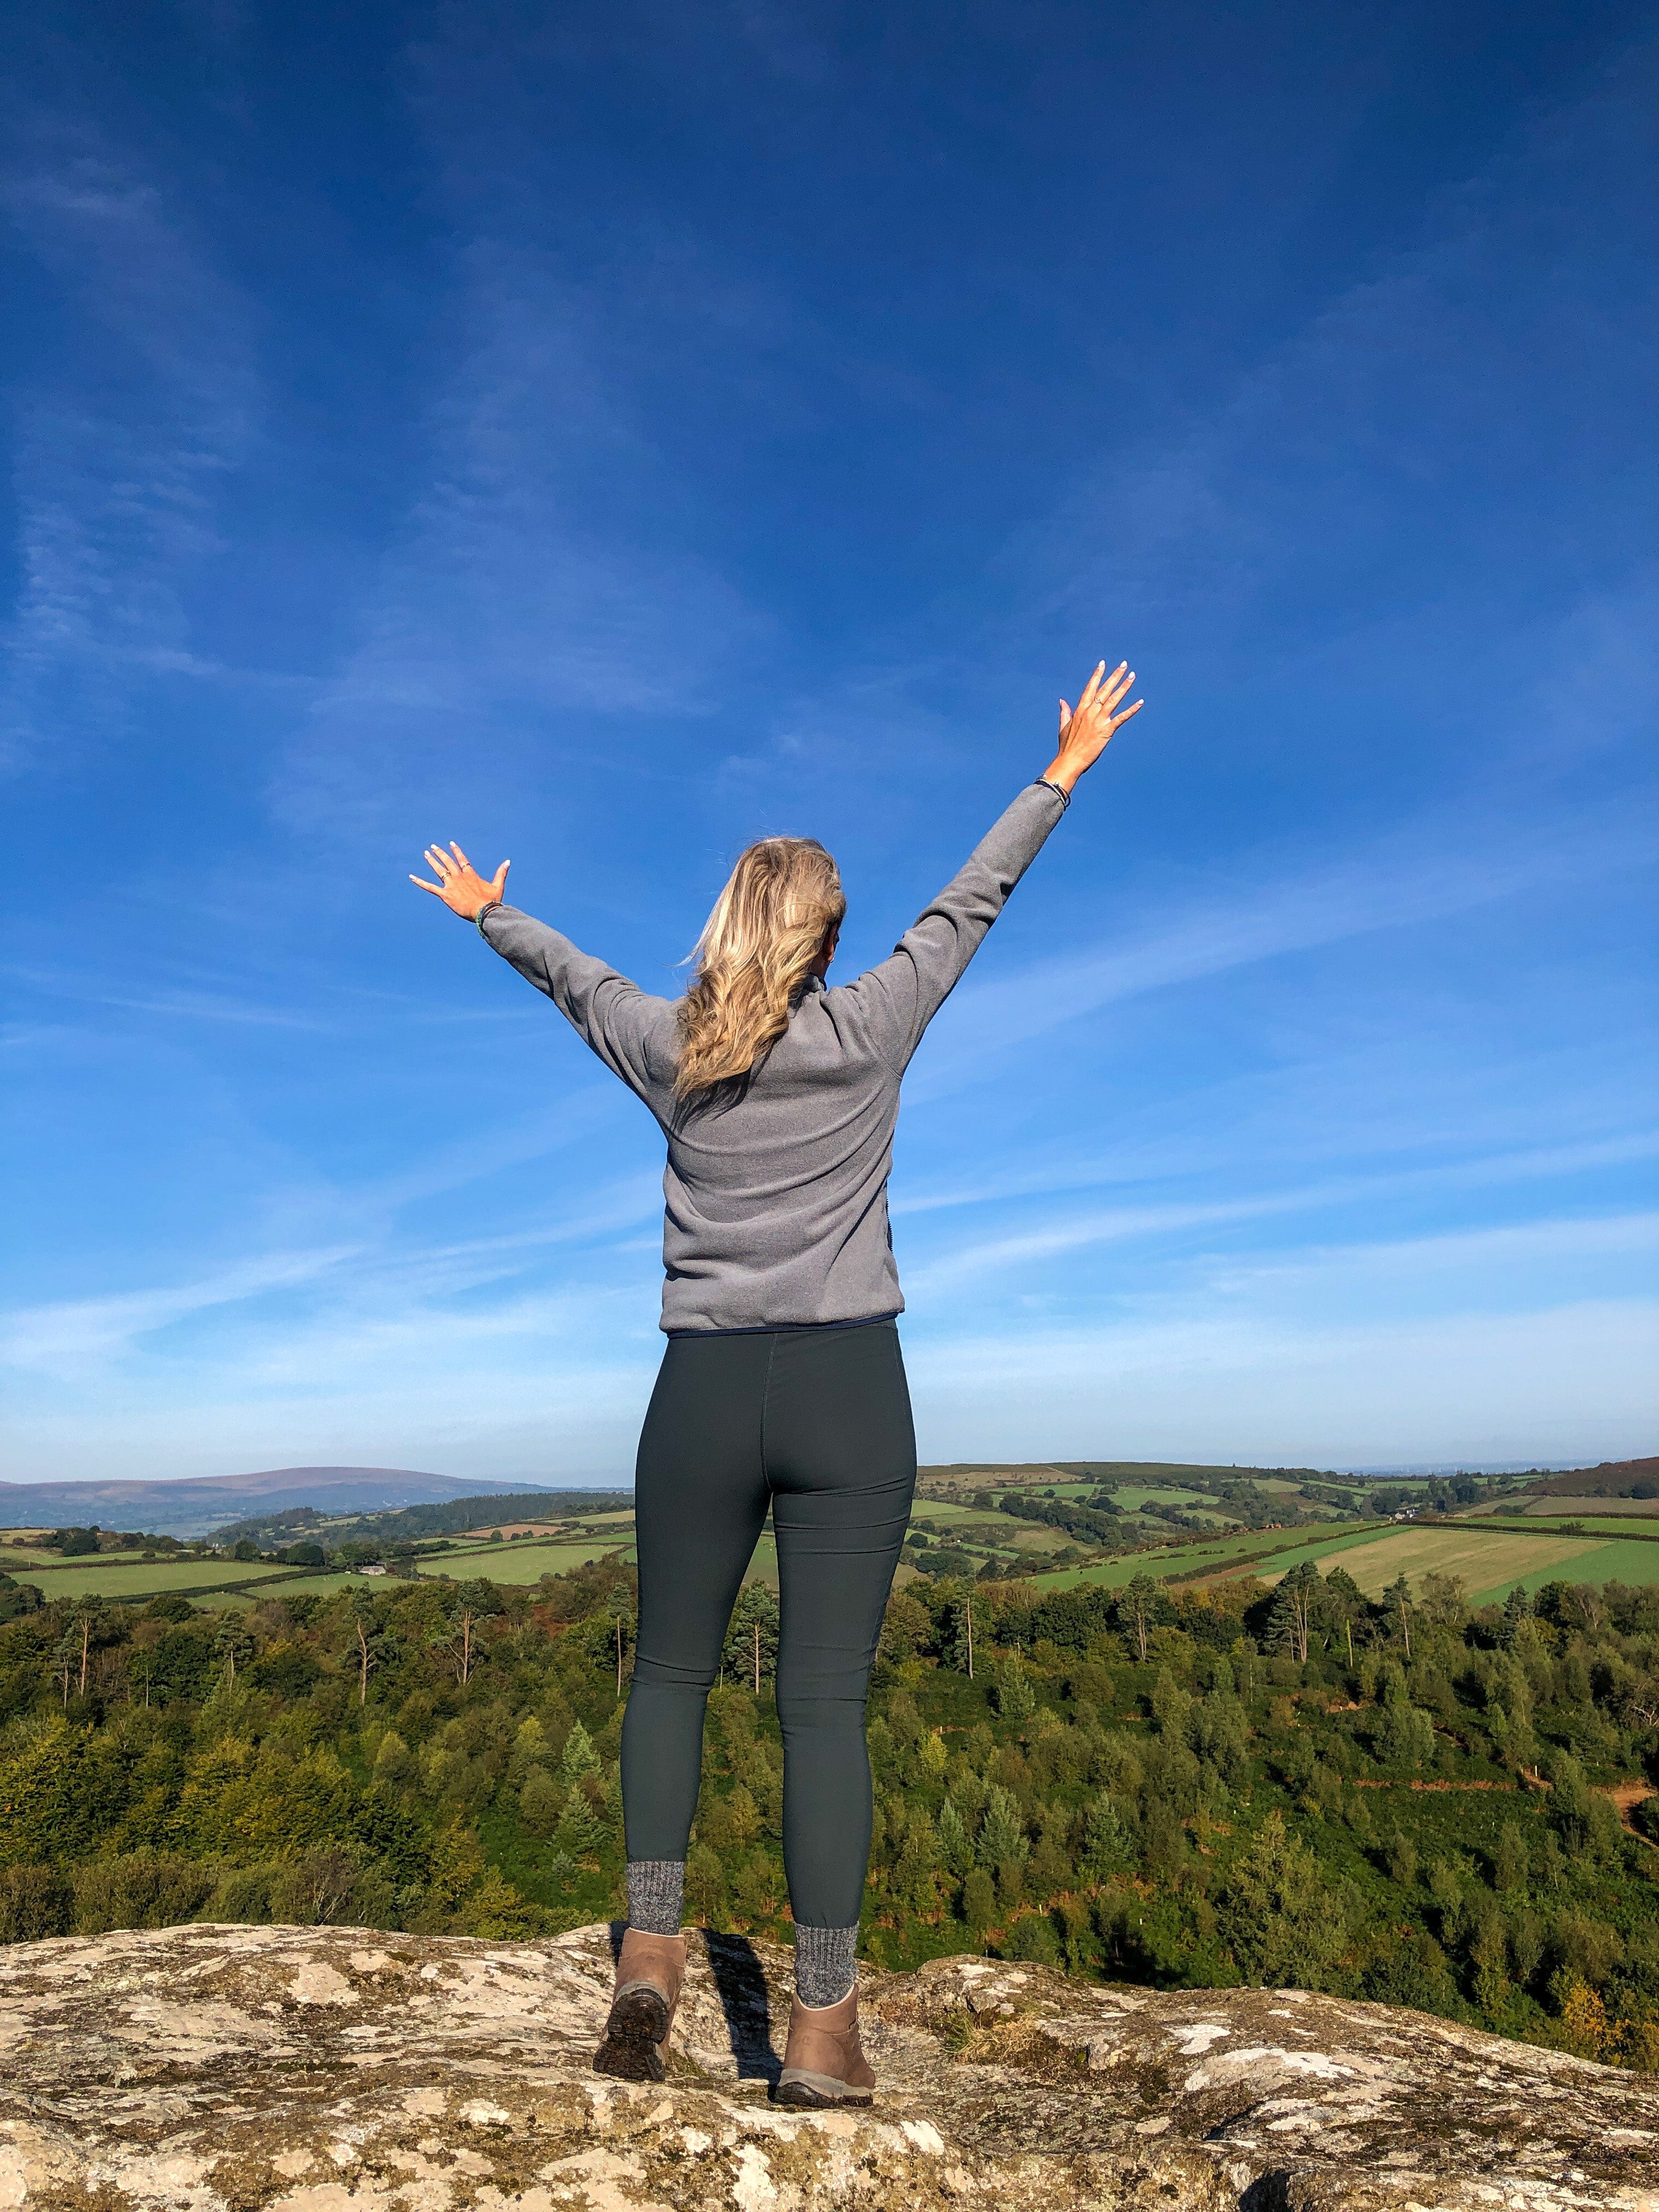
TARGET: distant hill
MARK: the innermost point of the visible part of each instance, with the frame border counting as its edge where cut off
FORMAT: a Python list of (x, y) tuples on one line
[(1175, 1474), (452, 1517), (196, 1504), (1615, 1478)]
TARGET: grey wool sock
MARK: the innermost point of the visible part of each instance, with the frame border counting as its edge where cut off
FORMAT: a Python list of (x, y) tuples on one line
[(656, 1895), (825, 1965)]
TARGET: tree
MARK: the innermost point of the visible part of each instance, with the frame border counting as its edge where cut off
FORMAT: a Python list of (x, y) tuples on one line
[(956, 1845), (620, 1607), (750, 1650), (1444, 1598), (539, 1803), (233, 1642), (1274, 1912), (1137, 1609), (1297, 1605), (1016, 1699), (74, 1646), (957, 1634), (1397, 1599), (456, 1635), (578, 1756), (372, 1640), (1002, 1838), (1106, 1846), (979, 1901), (1517, 1607)]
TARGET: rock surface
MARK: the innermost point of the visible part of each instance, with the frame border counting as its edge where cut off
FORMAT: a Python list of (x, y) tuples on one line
[(284, 2069)]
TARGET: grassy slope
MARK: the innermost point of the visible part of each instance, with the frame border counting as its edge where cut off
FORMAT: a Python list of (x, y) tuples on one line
[(136, 1579)]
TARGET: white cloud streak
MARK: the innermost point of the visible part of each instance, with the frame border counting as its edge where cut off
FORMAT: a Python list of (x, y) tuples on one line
[(519, 589), (63, 1339), (1417, 875), (118, 501)]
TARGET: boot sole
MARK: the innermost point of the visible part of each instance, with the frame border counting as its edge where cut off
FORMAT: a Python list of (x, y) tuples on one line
[(634, 2036), (819, 2092)]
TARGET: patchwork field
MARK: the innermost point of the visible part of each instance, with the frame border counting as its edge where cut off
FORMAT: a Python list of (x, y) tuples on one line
[(131, 1579), (1282, 1548), (1622, 1509), (1628, 1530), (1490, 1564), (513, 1565), (518, 1564)]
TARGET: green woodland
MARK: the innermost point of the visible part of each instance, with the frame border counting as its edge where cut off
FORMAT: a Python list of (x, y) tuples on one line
[(1404, 1796)]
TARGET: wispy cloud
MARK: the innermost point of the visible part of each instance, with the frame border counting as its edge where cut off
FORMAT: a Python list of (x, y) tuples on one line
[(534, 574), (1421, 873), (1563, 1382), (1471, 1173), (120, 472), (62, 1339)]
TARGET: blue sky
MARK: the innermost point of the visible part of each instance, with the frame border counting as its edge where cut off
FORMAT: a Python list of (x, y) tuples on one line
[(607, 435)]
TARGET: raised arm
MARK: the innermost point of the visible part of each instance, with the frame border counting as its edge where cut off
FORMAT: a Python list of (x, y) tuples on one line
[(896, 1000), (631, 1032)]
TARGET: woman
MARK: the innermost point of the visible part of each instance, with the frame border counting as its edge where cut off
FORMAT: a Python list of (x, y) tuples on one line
[(782, 1385)]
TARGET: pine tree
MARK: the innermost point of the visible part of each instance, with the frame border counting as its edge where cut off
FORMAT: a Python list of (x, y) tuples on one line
[(956, 1845), (1517, 1607), (580, 1830), (1137, 1608), (1275, 1912), (580, 1756), (1016, 1699), (1397, 1598), (1002, 1838), (957, 1632), (539, 1805), (979, 1901), (1106, 1845), (1298, 1603), (233, 1643), (750, 1650)]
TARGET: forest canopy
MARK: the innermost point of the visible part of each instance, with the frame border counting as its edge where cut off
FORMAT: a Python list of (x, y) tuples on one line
[(1407, 1799)]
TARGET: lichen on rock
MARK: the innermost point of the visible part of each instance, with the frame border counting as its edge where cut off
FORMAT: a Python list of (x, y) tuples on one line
[(287, 2070)]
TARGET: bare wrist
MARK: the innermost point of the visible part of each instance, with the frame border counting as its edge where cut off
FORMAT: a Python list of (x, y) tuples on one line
[(1062, 773)]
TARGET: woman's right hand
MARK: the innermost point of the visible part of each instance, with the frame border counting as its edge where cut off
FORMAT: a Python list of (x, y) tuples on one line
[(1087, 729), (460, 886)]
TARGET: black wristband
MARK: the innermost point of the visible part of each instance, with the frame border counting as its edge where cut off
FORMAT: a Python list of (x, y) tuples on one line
[(1064, 797)]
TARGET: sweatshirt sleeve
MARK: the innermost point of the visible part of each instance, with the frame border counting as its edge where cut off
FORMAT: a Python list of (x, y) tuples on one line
[(634, 1034), (895, 1002)]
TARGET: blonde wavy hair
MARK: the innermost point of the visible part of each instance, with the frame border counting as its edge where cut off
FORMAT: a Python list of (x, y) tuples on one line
[(780, 903)]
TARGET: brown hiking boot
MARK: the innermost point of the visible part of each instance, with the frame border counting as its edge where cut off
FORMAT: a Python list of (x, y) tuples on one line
[(649, 1973), (822, 2063)]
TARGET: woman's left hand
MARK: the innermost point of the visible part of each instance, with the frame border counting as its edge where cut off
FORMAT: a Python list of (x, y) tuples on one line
[(1087, 730), (460, 886)]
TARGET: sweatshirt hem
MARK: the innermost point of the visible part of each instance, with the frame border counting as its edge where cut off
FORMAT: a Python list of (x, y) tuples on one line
[(787, 1328)]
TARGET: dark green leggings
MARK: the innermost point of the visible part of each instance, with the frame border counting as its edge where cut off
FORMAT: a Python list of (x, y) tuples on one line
[(814, 1422)]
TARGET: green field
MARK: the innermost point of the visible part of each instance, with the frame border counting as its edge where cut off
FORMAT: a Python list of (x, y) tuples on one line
[(1622, 1509), (1525, 1550), (133, 1578), (513, 1566), (1489, 1565), (1284, 1546), (1630, 1532), (1492, 1563), (524, 1562)]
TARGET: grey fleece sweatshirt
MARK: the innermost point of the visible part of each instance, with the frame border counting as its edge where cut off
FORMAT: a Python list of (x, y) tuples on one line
[(776, 1201)]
